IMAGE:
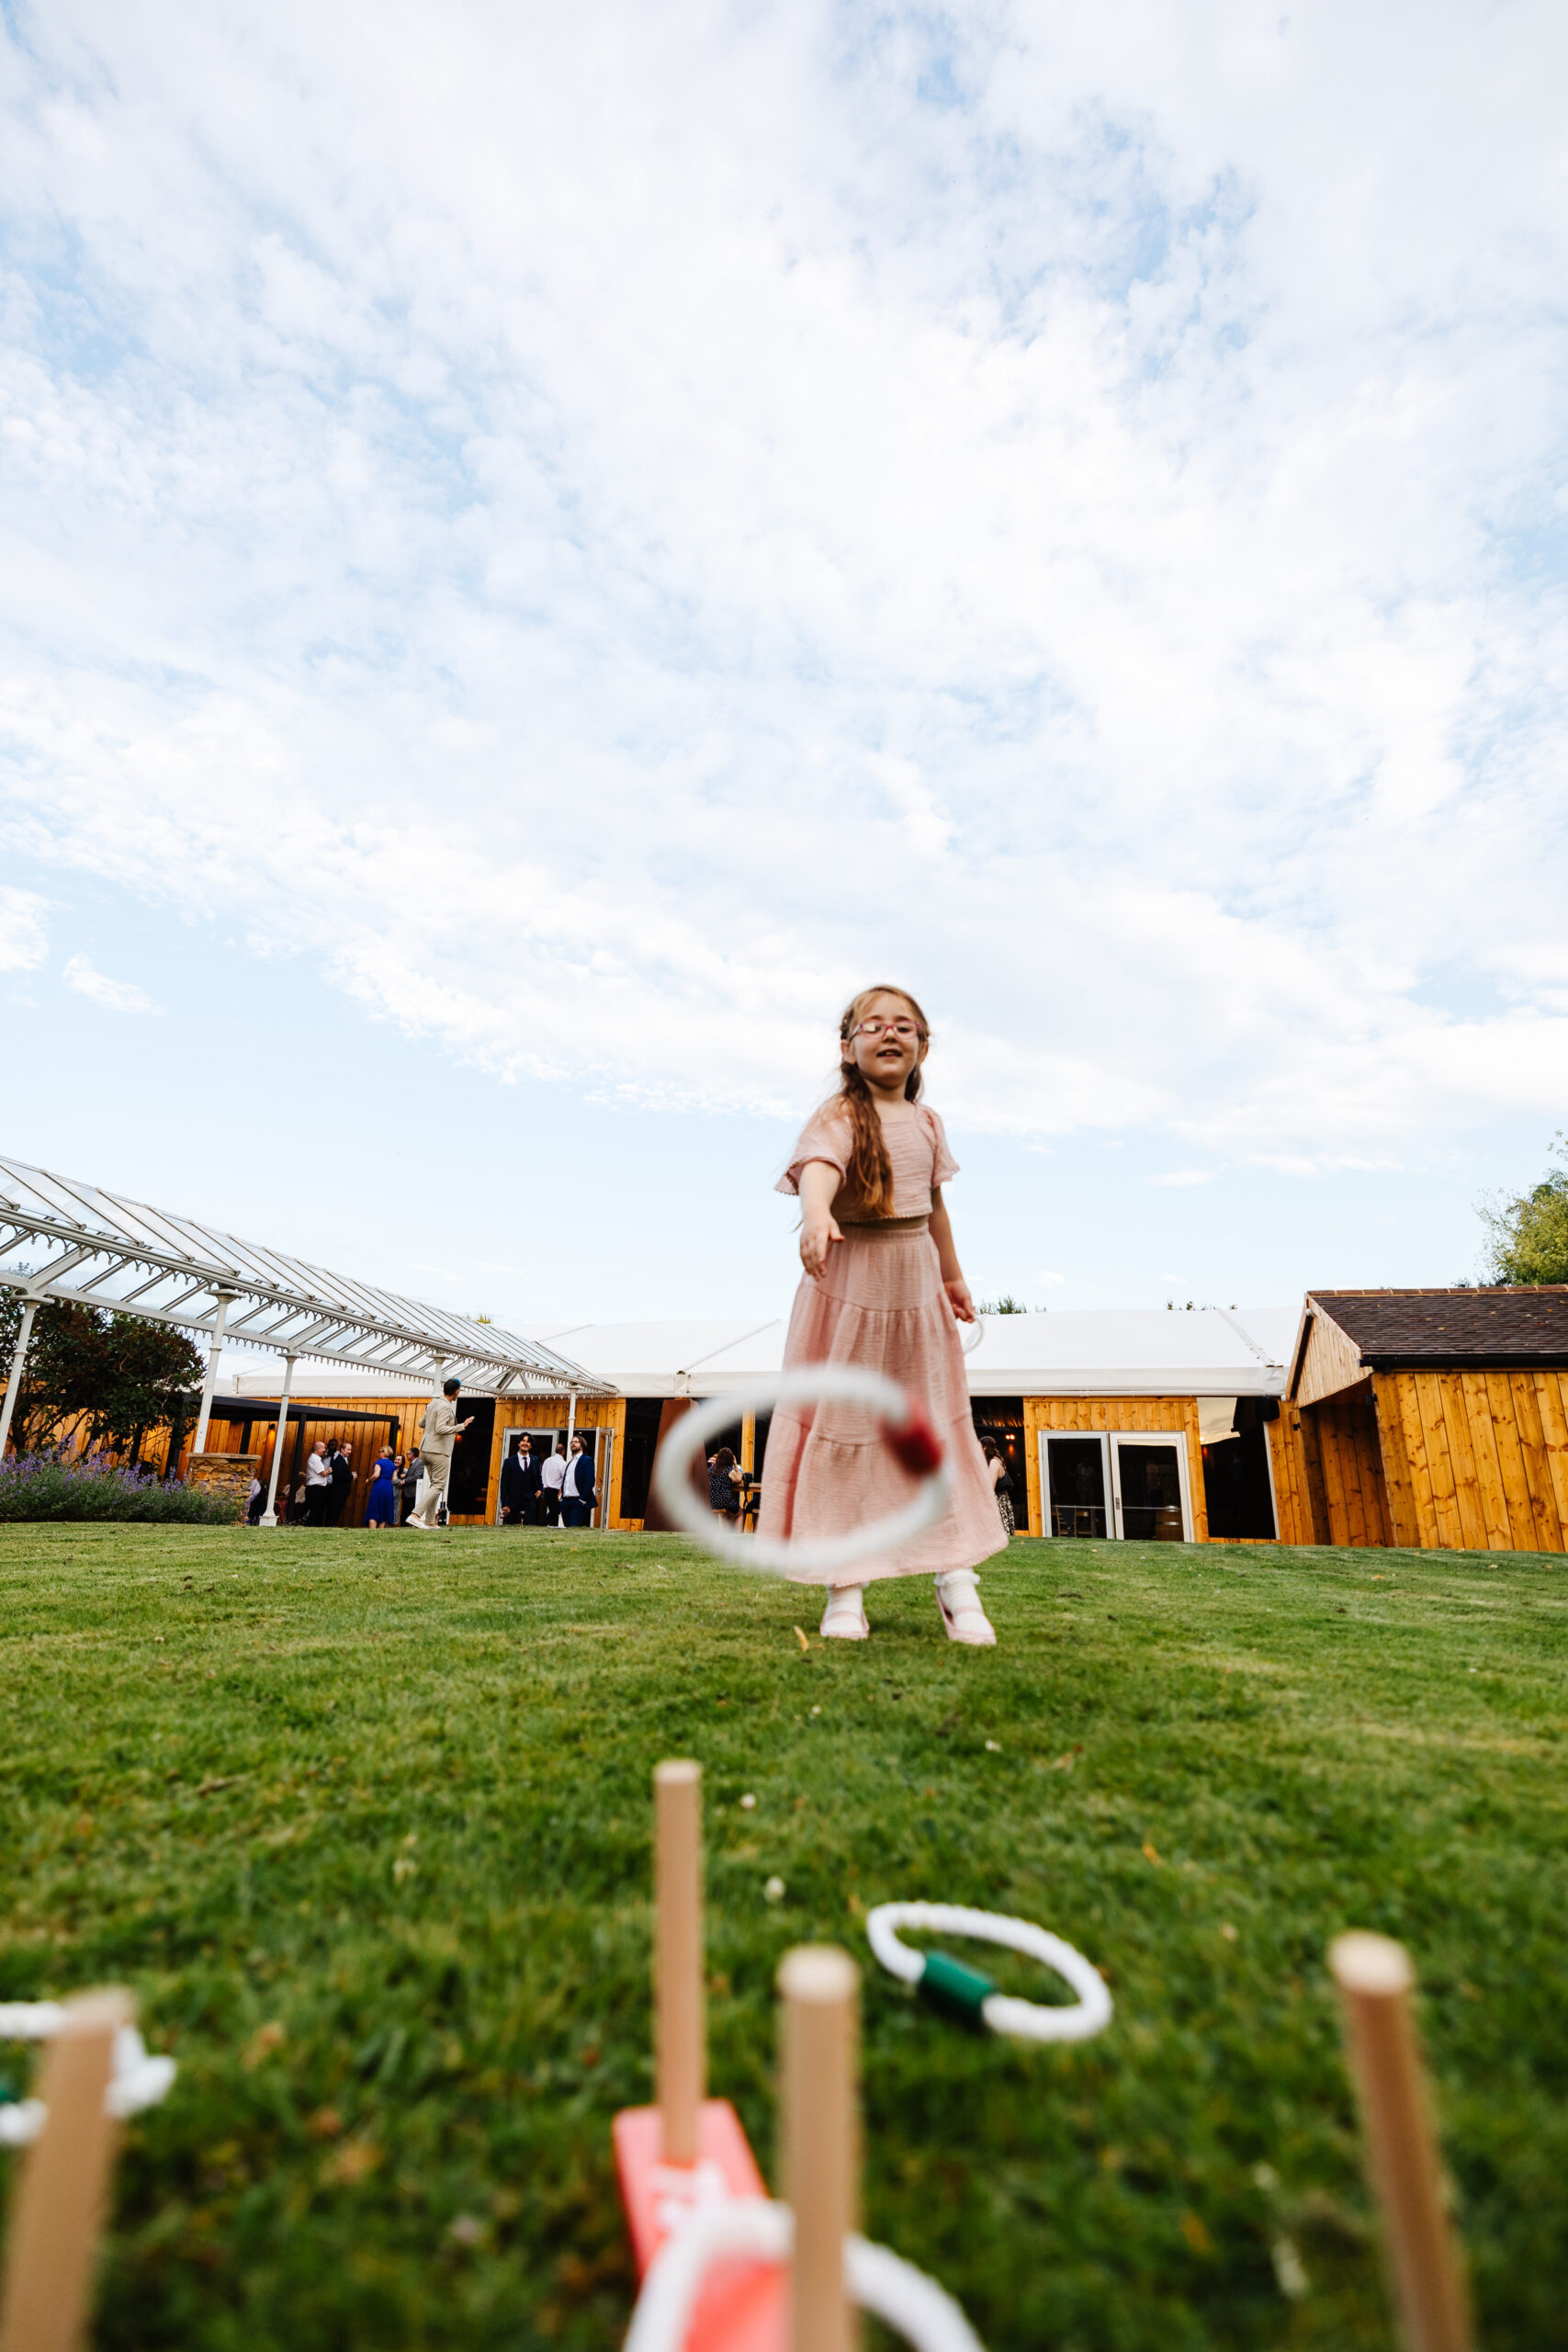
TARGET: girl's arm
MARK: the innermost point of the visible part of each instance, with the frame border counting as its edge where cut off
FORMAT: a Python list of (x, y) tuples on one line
[(952, 1279), (819, 1181)]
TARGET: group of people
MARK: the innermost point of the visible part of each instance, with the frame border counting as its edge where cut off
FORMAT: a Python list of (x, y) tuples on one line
[(552, 1489)]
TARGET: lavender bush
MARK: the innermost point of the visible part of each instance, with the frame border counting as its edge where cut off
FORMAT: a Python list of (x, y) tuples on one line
[(45, 1485)]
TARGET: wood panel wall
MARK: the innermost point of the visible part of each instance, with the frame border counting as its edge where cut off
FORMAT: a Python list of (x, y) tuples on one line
[(1477, 1460), (1287, 1459), (1346, 1482), (1331, 1360), (1093, 1414)]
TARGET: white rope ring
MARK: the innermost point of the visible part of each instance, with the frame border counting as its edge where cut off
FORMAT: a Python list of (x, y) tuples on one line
[(879, 2281), (971, 1335), (138, 2081), (961, 1991), (904, 1426)]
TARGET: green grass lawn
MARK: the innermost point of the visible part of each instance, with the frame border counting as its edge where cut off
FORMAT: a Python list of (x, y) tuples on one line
[(365, 1822)]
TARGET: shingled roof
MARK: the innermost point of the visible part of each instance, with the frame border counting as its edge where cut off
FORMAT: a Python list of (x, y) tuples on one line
[(1528, 1325)]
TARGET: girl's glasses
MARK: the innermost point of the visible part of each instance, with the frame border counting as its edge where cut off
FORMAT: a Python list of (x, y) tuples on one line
[(901, 1029)]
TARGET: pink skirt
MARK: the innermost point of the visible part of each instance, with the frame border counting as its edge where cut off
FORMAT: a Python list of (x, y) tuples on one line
[(880, 1304)]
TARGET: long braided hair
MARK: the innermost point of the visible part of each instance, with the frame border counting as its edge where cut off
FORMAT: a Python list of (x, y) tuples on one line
[(869, 1176)]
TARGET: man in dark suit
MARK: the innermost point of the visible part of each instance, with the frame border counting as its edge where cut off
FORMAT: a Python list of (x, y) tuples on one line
[(520, 1484), (343, 1485)]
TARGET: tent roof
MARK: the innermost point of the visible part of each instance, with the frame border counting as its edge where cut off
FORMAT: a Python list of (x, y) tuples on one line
[(99, 1249), (1111, 1352)]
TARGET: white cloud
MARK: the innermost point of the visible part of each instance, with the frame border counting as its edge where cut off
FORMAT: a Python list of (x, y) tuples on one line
[(605, 536), (119, 996), (24, 930)]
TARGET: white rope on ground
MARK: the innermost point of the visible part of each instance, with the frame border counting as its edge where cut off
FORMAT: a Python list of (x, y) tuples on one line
[(138, 2080), (904, 1426), (879, 2281), (965, 1992)]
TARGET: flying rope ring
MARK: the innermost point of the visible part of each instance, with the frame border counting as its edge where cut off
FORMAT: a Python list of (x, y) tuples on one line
[(905, 1430), (961, 1991)]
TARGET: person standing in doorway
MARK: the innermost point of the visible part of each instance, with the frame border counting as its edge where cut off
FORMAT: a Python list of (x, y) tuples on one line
[(412, 1471), (520, 1484), (440, 1430), (552, 1476), (577, 1494)]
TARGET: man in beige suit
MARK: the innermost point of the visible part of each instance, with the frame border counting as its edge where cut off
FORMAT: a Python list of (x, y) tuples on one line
[(439, 1434)]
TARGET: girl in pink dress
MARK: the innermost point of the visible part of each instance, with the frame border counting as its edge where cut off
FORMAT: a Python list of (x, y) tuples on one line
[(882, 1288)]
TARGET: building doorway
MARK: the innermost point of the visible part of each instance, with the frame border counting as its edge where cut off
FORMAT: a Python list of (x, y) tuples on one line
[(1238, 1486), (599, 1444), (468, 1487), (1075, 1483), (1127, 1484)]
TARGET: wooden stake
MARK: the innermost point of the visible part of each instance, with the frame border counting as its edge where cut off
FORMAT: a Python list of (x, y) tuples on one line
[(679, 2028), (821, 2158), (1375, 1979), (60, 2196)]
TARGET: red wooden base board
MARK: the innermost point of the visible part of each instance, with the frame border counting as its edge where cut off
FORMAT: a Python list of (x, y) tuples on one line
[(743, 2307)]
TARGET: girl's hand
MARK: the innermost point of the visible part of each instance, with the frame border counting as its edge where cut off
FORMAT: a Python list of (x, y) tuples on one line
[(818, 1233), (957, 1290)]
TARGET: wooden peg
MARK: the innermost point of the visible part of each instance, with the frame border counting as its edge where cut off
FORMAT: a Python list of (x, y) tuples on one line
[(1375, 1980), (62, 2194), (820, 1986), (680, 2027)]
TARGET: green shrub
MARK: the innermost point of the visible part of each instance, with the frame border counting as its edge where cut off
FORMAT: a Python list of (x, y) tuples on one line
[(40, 1486)]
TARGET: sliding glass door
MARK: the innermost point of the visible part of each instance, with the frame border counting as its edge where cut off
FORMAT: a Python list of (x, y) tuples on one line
[(1126, 1483)]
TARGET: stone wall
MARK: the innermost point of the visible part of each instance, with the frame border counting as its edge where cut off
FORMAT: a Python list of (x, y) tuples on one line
[(228, 1475)]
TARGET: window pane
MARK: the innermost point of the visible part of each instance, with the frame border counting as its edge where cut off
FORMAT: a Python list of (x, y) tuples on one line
[(1076, 1466), (1151, 1493)]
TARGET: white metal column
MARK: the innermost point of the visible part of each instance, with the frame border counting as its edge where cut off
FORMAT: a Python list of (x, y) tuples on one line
[(18, 1358), (198, 1443), (269, 1516)]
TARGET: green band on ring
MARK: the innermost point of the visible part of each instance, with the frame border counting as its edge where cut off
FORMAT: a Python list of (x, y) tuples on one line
[(953, 1988)]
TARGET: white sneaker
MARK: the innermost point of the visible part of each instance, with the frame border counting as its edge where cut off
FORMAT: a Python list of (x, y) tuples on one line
[(413, 1519), (843, 1620), (959, 1600)]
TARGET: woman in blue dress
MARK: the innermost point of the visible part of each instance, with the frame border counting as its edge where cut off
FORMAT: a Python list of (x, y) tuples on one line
[(381, 1510)]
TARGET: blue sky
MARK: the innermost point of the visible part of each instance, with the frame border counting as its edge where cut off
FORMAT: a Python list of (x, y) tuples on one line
[(537, 556)]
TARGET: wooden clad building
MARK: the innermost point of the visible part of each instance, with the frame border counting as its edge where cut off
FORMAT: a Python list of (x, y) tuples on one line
[(1426, 1418)]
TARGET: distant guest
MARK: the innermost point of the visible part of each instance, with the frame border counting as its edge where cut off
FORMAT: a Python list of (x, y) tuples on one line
[(318, 1486), (382, 1505), (552, 1475), (343, 1483), (520, 1484), (726, 1484), (576, 1494)]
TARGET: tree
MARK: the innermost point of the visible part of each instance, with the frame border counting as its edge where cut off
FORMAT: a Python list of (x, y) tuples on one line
[(109, 1379), (1527, 1239), (1006, 1305)]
